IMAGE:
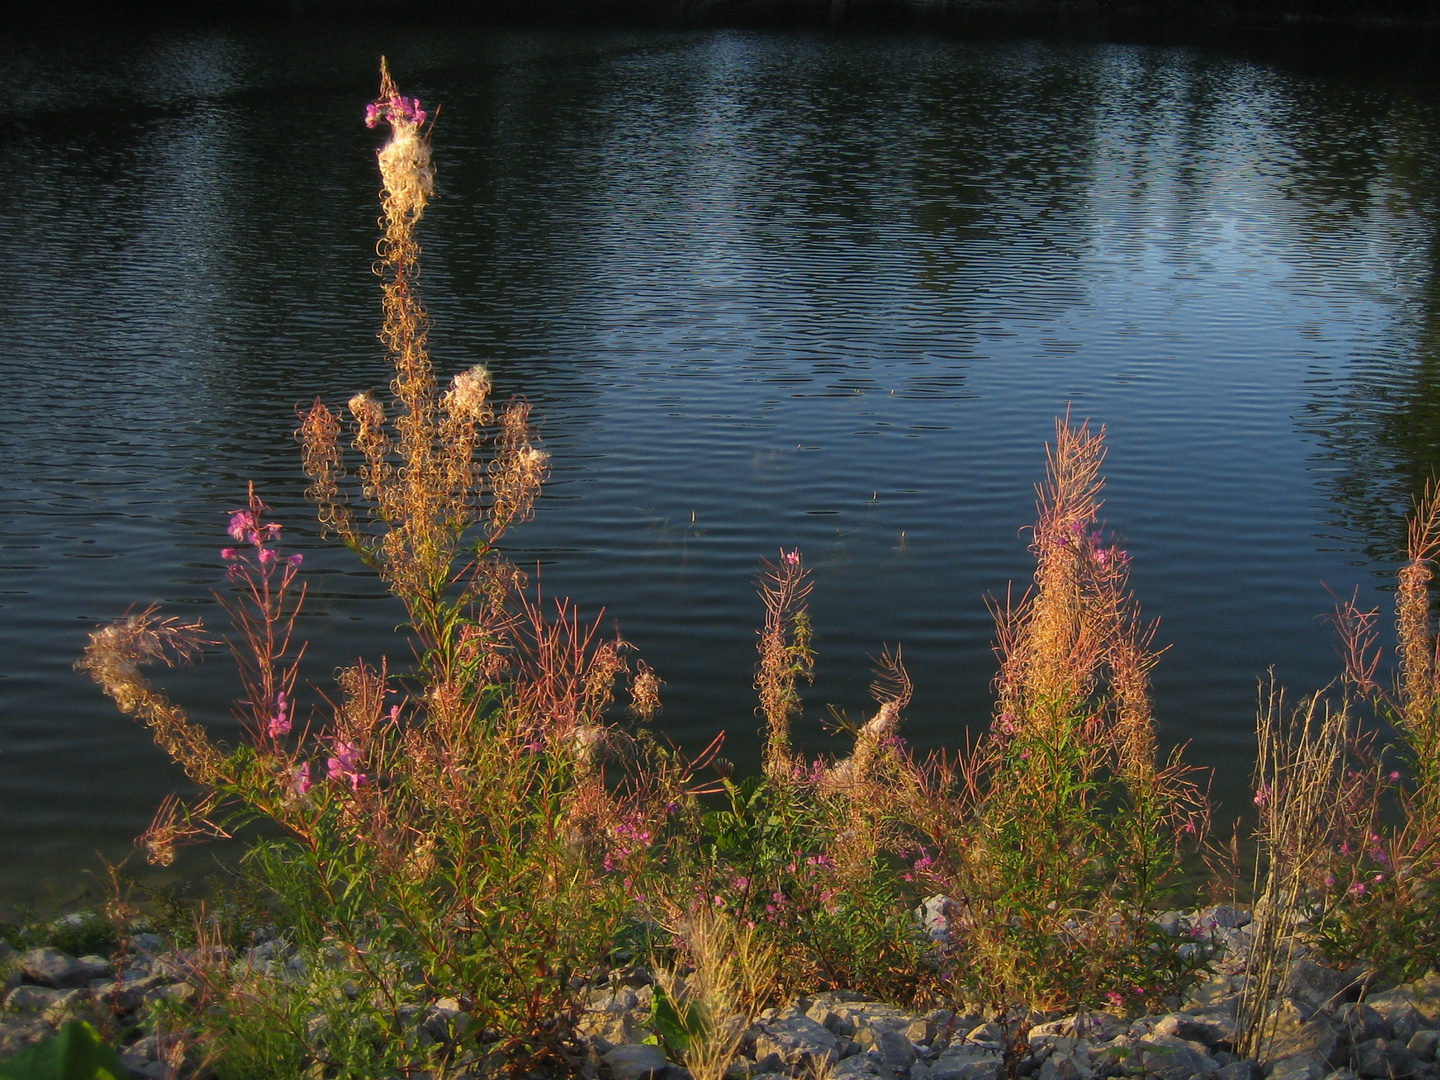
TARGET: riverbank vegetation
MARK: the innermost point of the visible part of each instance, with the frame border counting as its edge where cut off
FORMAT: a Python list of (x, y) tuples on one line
[(454, 853)]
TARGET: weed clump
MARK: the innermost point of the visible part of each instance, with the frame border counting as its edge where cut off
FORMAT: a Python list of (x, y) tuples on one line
[(448, 833)]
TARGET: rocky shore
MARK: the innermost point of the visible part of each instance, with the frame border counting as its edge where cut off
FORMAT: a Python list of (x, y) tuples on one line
[(1329, 1024)]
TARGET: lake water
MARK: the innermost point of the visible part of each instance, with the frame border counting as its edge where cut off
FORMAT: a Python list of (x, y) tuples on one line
[(764, 289)]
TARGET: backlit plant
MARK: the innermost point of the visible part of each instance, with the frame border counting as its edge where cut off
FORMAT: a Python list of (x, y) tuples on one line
[(447, 833)]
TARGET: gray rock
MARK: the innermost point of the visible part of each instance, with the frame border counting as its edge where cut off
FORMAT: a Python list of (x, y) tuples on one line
[(1169, 923), (1232, 949), (444, 1020), (612, 1018), (1423, 1043), (936, 915), (1423, 996), (6, 950), (770, 1063), (147, 1048), (59, 1010), (876, 1015), (1172, 1058), (32, 998), (18, 1033), (798, 1040), (1300, 1067), (988, 1034), (1361, 1023), (1223, 917), (1095, 1026), (1312, 987), (140, 1069), (1216, 992), (864, 1067), (1384, 1058), (1210, 1030), (921, 1032), (180, 993), (1244, 1069), (53, 968), (967, 1062), (636, 1061), (1065, 1067), (824, 1015), (1342, 1074), (1405, 1022), (1319, 1038), (128, 995), (891, 1047), (146, 943)]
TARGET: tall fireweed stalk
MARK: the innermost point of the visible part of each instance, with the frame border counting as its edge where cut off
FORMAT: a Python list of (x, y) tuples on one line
[(803, 854), (475, 829), (1056, 835)]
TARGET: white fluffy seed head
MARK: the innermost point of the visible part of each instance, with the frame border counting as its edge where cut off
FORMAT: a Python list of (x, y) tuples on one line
[(368, 412), (469, 396)]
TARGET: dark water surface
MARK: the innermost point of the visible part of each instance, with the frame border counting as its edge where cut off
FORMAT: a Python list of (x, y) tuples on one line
[(763, 290)]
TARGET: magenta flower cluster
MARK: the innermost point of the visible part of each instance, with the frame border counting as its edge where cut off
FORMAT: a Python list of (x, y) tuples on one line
[(396, 111), (279, 723), (630, 837), (344, 764), (244, 526)]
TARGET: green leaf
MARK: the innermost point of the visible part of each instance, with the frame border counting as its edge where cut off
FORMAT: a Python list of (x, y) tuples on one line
[(675, 1023), (76, 1053)]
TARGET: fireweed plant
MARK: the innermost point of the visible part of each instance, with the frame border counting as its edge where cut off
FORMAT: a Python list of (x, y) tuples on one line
[(1364, 870), (1057, 835), (475, 831)]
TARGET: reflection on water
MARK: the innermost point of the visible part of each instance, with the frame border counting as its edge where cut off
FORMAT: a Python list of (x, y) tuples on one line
[(763, 290)]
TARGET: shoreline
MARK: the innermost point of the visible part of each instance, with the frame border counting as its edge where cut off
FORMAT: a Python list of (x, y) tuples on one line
[(1173, 19)]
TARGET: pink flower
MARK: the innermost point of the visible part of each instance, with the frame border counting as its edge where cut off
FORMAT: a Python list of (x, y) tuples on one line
[(296, 559), (343, 764), (242, 525), (792, 558), (229, 553), (279, 724), (302, 782), (266, 556), (1262, 795)]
